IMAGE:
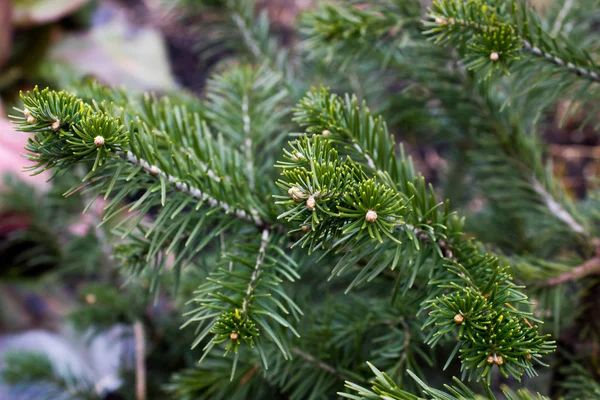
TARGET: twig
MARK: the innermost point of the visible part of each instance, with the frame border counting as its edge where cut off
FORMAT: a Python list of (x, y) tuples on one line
[(140, 367), (256, 273), (590, 267), (560, 19), (320, 364), (248, 140), (586, 73), (555, 208), (251, 216), (527, 46)]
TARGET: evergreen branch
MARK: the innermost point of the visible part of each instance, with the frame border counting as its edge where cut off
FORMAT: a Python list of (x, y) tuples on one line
[(499, 32), (184, 187), (556, 209), (343, 207), (248, 140), (257, 269), (236, 299), (324, 366), (590, 267), (554, 59)]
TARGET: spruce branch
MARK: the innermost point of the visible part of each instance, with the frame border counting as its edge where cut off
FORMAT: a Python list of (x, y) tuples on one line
[(264, 241), (556, 208), (342, 206), (502, 31), (184, 187), (324, 366)]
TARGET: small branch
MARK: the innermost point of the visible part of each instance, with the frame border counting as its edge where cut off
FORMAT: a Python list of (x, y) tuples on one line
[(185, 187), (140, 367), (320, 364), (590, 267), (256, 273), (248, 140), (584, 72), (560, 19), (527, 46), (556, 209)]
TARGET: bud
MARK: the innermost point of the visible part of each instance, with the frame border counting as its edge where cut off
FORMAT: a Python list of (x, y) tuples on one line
[(494, 56), (528, 356), (297, 156), (326, 133), (305, 228), (55, 125), (234, 336), (154, 170), (490, 359), (440, 21), (90, 298), (371, 216), (458, 318), (295, 193), (311, 203), (30, 118), (99, 141), (499, 360)]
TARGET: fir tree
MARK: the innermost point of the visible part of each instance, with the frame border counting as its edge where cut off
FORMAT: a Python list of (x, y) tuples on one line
[(327, 263)]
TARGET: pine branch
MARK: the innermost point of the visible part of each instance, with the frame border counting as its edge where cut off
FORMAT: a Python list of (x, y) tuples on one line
[(342, 206), (554, 59), (556, 209), (590, 267), (500, 32), (325, 367), (257, 270), (251, 216)]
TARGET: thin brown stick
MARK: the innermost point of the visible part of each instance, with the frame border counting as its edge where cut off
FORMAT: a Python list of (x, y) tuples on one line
[(140, 367), (590, 267)]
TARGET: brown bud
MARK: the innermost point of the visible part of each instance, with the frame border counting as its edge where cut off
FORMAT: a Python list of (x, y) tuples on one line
[(90, 298), (458, 318), (311, 203), (490, 359), (528, 356), (234, 336), (55, 125), (440, 21), (153, 170), (499, 360), (296, 194), (494, 56), (326, 133), (305, 228), (371, 216)]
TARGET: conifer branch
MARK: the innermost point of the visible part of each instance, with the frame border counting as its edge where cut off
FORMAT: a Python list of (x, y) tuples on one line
[(556, 209), (184, 187), (324, 366), (264, 241), (590, 267), (554, 59)]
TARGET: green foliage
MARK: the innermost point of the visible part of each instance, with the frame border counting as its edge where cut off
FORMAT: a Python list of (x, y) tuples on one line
[(244, 294), (385, 388), (402, 281)]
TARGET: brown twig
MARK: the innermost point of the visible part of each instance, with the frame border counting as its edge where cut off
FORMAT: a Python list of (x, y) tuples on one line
[(140, 367), (590, 267)]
